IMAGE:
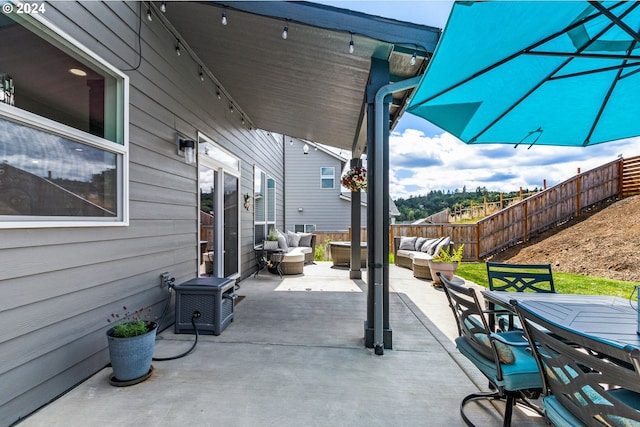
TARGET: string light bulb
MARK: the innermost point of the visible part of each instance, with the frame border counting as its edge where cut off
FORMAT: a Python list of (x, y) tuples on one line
[(178, 47), (285, 32), (351, 45), (413, 59), (243, 119), (163, 7), (231, 107), (223, 20), (201, 74), (149, 17), (218, 94)]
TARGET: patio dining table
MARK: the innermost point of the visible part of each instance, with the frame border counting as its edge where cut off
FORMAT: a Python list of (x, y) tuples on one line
[(606, 317)]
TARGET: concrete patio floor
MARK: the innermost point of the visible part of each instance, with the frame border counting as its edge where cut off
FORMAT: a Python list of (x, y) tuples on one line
[(294, 356)]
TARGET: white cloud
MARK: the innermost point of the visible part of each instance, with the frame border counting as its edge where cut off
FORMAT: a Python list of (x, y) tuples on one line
[(419, 163)]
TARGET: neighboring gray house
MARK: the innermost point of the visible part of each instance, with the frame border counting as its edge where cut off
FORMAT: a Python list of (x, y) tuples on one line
[(100, 106), (314, 198)]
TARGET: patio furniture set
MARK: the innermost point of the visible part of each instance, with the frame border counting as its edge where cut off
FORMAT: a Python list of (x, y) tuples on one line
[(286, 255), (415, 253), (584, 365)]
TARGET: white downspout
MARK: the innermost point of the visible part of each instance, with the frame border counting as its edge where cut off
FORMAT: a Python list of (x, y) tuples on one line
[(378, 166)]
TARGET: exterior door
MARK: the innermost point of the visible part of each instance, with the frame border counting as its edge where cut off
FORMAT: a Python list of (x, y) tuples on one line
[(219, 182)]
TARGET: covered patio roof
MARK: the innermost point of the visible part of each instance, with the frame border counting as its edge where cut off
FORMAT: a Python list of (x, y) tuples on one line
[(309, 85)]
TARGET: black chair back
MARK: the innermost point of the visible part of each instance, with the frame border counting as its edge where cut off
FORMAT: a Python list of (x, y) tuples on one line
[(520, 277), (516, 278), (595, 381)]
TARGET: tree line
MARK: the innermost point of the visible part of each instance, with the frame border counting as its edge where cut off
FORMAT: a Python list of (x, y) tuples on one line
[(417, 207)]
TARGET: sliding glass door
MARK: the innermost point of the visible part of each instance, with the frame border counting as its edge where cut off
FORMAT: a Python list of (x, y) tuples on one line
[(219, 182)]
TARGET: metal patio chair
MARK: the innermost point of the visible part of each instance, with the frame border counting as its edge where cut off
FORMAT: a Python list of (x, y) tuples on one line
[(502, 357), (586, 381), (516, 278)]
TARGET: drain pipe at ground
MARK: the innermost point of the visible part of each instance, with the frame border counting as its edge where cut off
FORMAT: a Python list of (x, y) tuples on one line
[(378, 226)]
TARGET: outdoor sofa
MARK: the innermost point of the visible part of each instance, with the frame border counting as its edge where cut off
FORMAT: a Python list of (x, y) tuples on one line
[(415, 253), (298, 250)]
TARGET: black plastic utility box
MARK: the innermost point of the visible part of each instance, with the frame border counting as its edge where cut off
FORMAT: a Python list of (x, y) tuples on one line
[(212, 297)]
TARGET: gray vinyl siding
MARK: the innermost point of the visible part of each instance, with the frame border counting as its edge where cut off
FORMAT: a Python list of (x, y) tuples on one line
[(59, 285), (321, 206)]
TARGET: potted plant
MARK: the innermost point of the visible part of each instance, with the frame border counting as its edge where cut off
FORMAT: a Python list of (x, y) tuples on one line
[(355, 179), (272, 240), (131, 344), (446, 262)]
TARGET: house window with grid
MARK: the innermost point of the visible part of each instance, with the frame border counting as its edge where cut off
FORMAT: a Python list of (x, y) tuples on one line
[(264, 196), (63, 132), (327, 177)]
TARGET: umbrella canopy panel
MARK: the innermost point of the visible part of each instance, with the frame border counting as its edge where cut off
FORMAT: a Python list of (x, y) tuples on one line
[(545, 73)]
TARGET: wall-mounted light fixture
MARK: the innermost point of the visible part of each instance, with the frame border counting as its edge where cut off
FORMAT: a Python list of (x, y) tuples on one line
[(305, 149), (300, 209), (186, 148)]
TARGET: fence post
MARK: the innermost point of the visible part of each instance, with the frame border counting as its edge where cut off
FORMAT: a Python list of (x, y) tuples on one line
[(578, 194), (620, 177), (478, 241), (501, 201), (526, 221)]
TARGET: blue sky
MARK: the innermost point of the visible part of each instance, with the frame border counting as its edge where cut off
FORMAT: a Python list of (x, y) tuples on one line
[(425, 158)]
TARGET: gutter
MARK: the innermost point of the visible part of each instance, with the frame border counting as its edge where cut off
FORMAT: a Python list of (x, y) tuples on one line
[(379, 215)]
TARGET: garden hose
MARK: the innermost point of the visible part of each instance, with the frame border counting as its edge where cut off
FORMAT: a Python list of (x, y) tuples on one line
[(195, 315)]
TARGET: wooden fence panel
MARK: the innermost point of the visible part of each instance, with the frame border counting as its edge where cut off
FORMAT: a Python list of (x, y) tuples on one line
[(522, 220), (630, 176)]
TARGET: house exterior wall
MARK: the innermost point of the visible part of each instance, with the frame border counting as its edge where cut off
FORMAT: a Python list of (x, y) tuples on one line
[(59, 285), (320, 206)]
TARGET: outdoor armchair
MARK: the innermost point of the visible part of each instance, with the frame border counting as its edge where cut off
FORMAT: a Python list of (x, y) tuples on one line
[(502, 357), (586, 381), (516, 278)]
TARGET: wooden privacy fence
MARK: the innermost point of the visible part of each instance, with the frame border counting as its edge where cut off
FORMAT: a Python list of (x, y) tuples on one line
[(529, 217), (630, 176)]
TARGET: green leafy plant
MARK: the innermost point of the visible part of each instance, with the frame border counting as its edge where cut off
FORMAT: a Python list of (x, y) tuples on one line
[(273, 234), (449, 256), (321, 250), (131, 323)]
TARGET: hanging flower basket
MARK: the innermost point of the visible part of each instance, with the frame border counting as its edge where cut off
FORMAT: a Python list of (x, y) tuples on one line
[(355, 179)]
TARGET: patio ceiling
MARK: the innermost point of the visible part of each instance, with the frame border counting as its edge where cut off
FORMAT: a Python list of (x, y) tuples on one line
[(308, 86)]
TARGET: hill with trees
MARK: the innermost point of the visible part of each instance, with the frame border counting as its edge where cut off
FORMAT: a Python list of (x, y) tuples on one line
[(417, 207)]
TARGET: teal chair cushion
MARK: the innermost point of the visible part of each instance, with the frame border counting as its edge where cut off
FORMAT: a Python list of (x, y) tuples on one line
[(520, 375), (558, 414)]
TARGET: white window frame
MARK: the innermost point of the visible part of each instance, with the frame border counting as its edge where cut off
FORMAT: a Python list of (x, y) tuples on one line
[(54, 35), (228, 164), (323, 177), (267, 222)]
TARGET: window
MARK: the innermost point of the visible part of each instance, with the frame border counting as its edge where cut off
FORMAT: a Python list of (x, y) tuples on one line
[(63, 151), (304, 228), (264, 196), (327, 177)]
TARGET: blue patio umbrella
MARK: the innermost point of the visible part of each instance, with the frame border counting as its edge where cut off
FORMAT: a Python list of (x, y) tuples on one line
[(535, 72)]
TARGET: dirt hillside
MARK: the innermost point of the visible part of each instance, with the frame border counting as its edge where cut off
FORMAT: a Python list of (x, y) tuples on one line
[(604, 242)]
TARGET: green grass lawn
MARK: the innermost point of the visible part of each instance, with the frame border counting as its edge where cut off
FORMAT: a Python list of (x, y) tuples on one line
[(564, 282)]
